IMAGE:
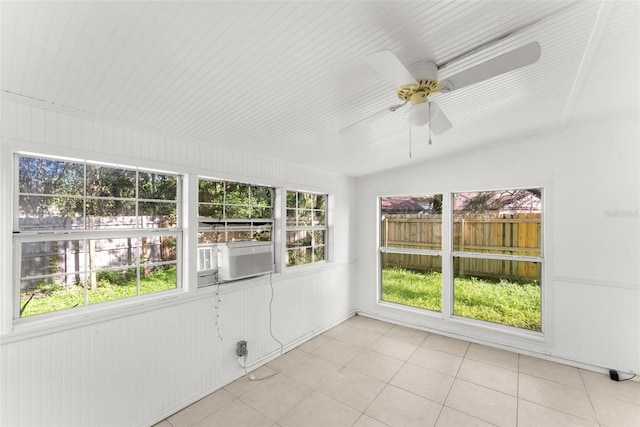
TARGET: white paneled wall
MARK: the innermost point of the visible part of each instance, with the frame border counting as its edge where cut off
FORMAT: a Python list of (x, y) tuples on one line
[(144, 363), (591, 238)]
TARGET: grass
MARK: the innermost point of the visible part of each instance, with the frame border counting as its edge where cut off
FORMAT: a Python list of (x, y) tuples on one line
[(506, 302), (49, 297)]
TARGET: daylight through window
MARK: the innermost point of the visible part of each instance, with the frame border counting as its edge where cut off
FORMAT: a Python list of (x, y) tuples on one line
[(306, 228), (89, 233)]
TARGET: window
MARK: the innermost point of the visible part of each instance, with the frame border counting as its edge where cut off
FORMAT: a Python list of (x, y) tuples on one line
[(230, 212), (88, 233), (411, 250), (306, 228), (494, 267), (497, 256)]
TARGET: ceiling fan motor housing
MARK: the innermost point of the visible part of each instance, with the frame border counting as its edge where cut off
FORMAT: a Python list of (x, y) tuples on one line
[(427, 83)]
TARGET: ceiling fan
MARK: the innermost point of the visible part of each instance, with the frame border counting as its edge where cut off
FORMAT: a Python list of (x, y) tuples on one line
[(414, 88)]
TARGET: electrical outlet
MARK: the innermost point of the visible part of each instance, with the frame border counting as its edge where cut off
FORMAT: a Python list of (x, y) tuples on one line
[(241, 349)]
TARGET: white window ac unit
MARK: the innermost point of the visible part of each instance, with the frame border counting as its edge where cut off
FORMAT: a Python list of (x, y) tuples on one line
[(238, 260)]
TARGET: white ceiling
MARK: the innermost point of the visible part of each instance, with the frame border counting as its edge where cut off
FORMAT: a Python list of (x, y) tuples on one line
[(281, 79)]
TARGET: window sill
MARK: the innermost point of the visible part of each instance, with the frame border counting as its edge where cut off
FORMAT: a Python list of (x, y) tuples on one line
[(31, 327)]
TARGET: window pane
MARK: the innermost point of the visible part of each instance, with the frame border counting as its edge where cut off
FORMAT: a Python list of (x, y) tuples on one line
[(158, 214), (292, 199), (411, 222), (159, 278), (211, 211), (304, 217), (499, 291), (260, 196), (102, 213), (319, 237), (318, 253), (291, 217), (236, 212), (258, 212), (53, 257), (210, 237), (157, 186), (110, 253), (299, 238), (51, 294), (210, 191), (103, 181), (50, 213), (236, 194), (412, 280), (299, 256), (108, 285), (319, 217), (42, 176), (499, 222)]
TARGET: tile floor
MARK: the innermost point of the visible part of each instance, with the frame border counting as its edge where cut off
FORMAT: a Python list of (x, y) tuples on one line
[(367, 373)]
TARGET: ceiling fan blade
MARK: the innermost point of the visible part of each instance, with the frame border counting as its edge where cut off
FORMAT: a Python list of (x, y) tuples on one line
[(517, 58), (390, 67), (372, 117), (439, 121)]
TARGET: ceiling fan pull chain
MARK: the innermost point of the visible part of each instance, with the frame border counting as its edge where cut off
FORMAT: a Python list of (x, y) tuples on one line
[(409, 141), (430, 124)]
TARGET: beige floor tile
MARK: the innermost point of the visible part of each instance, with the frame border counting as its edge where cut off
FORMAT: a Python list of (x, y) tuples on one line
[(493, 356), (613, 412), (311, 370), (481, 402), (490, 376), (357, 336), (371, 325), (236, 414), (452, 418), (244, 384), (423, 382), (399, 408), (367, 421), (337, 351), (399, 349), (436, 360), (276, 395), (201, 409), (288, 359), (352, 388), (533, 415), (403, 333), (320, 410), (551, 371), (554, 395), (376, 365), (313, 343), (602, 384), (338, 329), (447, 344)]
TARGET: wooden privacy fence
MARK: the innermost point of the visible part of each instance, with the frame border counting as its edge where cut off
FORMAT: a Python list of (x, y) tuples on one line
[(516, 234)]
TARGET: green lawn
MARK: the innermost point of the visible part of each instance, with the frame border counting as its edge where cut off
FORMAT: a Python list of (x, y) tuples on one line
[(50, 297), (505, 302)]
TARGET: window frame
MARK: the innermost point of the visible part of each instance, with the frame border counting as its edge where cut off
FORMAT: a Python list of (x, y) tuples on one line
[(304, 228), (382, 250), (85, 234), (448, 253), (227, 225), (501, 257)]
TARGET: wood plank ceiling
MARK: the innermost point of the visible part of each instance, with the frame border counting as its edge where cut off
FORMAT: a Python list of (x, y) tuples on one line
[(281, 79)]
